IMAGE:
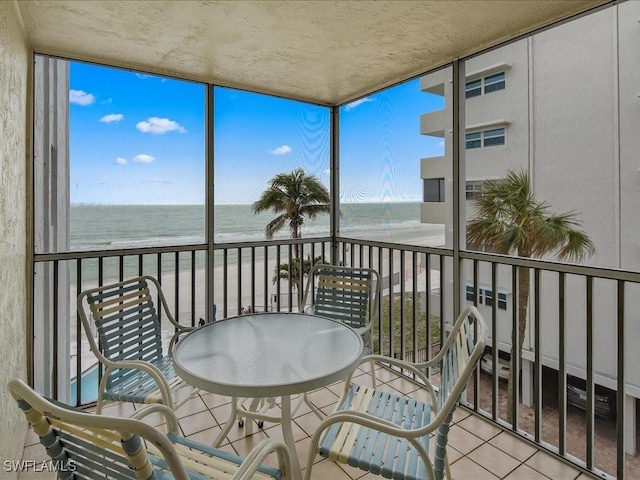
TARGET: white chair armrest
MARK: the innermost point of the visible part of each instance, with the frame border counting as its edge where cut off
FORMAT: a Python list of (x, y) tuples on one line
[(258, 454), (169, 415)]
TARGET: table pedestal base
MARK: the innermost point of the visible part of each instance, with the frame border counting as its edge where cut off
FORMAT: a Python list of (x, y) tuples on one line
[(288, 409)]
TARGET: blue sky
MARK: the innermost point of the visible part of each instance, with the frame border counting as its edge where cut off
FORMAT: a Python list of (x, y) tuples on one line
[(140, 139)]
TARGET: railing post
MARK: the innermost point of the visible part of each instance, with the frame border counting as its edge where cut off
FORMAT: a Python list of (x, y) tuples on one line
[(209, 210), (562, 368), (458, 172), (334, 186), (590, 438), (620, 403)]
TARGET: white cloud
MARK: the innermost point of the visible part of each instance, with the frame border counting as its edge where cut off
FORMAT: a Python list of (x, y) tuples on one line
[(121, 161), (80, 97), (146, 76), (281, 150), (112, 117), (161, 180), (357, 103), (441, 144), (143, 158), (159, 126)]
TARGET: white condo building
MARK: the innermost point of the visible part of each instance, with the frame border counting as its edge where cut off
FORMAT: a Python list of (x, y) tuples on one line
[(563, 105)]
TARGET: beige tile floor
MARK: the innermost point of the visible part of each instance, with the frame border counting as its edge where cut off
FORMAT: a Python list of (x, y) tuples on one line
[(477, 450)]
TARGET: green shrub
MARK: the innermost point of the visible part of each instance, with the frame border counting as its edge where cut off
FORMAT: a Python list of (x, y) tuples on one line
[(415, 327)]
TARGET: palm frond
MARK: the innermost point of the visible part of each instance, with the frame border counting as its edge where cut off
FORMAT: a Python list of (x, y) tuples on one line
[(274, 226), (578, 247), (312, 211), (510, 219)]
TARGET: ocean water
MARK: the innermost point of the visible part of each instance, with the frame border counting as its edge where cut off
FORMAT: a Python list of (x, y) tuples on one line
[(116, 227), (102, 227)]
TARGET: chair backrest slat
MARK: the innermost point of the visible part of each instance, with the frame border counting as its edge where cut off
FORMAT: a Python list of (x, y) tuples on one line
[(122, 302), (139, 338), (144, 342), (343, 294), (131, 317), (92, 459)]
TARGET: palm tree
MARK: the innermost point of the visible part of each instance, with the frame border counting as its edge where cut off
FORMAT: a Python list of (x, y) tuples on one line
[(511, 221), (291, 272), (294, 196)]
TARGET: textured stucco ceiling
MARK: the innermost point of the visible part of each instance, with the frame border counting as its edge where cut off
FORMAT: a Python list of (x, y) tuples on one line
[(327, 52)]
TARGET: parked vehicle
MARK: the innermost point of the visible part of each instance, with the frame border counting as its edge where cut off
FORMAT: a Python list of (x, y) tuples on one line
[(604, 399), (504, 365)]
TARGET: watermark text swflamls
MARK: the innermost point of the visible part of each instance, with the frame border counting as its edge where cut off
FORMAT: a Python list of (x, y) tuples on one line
[(40, 466)]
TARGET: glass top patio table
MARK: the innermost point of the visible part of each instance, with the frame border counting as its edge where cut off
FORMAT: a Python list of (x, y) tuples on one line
[(267, 354)]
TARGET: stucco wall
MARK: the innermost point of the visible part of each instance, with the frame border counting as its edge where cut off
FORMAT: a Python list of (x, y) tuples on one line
[(14, 61)]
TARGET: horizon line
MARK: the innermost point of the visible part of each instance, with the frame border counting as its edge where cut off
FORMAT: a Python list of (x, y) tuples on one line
[(92, 204)]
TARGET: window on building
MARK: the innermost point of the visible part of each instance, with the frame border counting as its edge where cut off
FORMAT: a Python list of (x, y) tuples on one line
[(473, 89), (493, 83), (502, 301), (485, 297), (474, 190), (434, 190), (488, 298), (487, 138), (473, 140), (488, 84), (469, 293), (493, 137)]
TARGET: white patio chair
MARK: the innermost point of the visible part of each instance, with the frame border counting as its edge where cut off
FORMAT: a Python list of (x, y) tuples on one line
[(130, 342), (389, 434), (83, 445)]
